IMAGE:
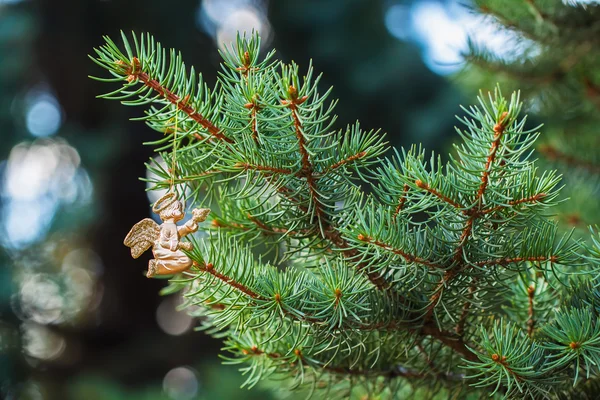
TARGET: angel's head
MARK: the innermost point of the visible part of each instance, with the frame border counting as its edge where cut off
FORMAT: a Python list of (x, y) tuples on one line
[(173, 211), (168, 207)]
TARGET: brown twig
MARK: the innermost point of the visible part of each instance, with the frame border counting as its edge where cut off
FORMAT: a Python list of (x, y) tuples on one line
[(502, 361), (348, 160), (498, 133), (434, 192), (209, 268), (350, 253), (510, 260), (531, 199), (454, 342), (326, 230), (407, 256), (401, 202), (530, 313), (266, 168), (253, 107), (307, 167)]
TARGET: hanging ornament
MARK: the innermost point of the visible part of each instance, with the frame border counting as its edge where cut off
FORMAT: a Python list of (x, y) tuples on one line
[(165, 239)]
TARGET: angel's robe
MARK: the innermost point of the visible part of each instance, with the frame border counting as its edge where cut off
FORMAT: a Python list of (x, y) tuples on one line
[(166, 250)]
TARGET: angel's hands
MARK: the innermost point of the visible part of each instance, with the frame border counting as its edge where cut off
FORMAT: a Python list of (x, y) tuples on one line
[(192, 225), (187, 246)]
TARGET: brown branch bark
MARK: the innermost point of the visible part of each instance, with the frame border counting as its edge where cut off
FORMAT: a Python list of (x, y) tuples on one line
[(531, 199), (407, 256), (209, 268), (348, 160), (450, 340), (401, 202), (506, 261), (253, 121), (531, 311), (426, 187), (266, 168), (307, 167), (498, 133)]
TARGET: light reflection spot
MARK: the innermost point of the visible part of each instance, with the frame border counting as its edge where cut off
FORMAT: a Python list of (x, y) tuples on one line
[(181, 383)]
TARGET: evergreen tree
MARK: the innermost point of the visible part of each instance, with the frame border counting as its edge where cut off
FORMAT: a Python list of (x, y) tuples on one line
[(450, 278), (556, 63)]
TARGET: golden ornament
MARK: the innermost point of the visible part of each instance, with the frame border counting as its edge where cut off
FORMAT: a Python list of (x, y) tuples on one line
[(165, 239)]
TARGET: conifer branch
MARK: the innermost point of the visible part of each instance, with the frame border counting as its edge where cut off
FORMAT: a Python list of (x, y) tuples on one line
[(348, 160), (376, 279), (134, 73), (474, 212), (511, 260), (364, 274), (209, 268), (401, 201), (454, 342), (264, 168), (531, 199), (407, 256), (523, 29), (307, 167), (397, 371), (426, 187), (485, 175)]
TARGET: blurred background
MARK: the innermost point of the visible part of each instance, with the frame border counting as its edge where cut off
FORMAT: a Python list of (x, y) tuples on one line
[(78, 319)]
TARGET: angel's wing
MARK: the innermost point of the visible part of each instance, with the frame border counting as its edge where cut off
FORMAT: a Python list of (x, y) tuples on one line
[(142, 236)]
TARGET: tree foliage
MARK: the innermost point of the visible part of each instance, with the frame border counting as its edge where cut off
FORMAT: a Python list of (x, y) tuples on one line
[(402, 290), (553, 57)]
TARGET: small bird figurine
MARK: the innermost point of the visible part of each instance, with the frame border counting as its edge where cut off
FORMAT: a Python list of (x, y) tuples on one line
[(166, 238)]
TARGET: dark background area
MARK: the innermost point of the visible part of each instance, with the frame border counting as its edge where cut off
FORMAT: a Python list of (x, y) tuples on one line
[(77, 317)]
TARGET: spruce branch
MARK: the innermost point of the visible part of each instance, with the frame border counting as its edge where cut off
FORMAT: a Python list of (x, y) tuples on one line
[(399, 286), (407, 256), (401, 201)]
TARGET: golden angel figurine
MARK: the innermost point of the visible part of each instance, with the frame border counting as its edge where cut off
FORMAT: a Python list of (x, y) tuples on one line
[(165, 239)]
